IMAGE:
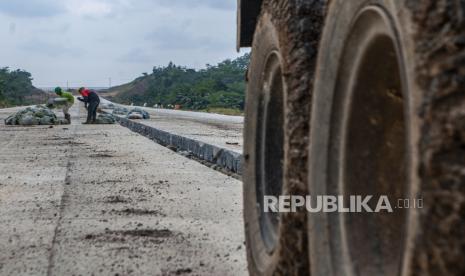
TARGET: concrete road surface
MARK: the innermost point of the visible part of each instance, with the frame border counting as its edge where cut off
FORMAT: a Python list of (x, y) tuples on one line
[(220, 130), (101, 200)]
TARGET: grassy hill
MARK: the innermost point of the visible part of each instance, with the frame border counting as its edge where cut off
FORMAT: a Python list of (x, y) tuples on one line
[(218, 87), (127, 93)]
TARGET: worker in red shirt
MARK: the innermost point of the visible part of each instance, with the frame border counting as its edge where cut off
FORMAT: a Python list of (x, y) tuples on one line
[(91, 101)]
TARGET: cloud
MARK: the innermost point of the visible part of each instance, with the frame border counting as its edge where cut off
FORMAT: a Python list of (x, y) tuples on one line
[(89, 8), (57, 40), (214, 4), (50, 49), (31, 8), (47, 8), (59, 29), (178, 37), (136, 55), (12, 28)]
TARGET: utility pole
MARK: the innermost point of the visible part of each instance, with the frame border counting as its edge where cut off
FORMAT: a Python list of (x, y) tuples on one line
[(67, 85), (109, 82)]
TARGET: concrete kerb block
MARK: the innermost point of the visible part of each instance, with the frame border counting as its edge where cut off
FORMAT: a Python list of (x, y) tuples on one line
[(226, 159), (202, 147), (175, 140), (166, 137), (208, 154), (185, 144)]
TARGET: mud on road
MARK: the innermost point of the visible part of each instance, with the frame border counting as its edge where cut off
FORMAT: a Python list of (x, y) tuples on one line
[(93, 199)]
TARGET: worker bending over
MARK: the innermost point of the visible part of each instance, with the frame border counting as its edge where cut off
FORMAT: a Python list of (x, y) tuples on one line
[(91, 101), (68, 101)]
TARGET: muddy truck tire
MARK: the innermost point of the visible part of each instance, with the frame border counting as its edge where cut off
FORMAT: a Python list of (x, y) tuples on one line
[(388, 118), (280, 81)]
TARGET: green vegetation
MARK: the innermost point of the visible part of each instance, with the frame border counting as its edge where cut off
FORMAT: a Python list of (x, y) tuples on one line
[(220, 87), (16, 89)]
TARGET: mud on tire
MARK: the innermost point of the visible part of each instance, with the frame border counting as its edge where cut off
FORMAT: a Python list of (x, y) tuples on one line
[(280, 81), (388, 117)]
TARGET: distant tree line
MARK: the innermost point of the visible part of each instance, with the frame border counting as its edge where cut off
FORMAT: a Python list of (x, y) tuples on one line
[(218, 86), (16, 88)]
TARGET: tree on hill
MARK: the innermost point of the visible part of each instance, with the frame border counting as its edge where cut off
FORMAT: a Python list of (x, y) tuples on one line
[(16, 88), (219, 86)]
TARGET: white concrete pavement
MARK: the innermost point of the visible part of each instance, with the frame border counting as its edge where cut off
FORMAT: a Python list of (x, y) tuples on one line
[(220, 130), (101, 200)]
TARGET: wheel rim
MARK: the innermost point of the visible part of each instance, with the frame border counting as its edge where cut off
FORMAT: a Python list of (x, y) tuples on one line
[(270, 151), (370, 158)]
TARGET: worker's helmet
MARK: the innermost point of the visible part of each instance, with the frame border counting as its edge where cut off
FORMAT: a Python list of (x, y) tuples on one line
[(58, 90)]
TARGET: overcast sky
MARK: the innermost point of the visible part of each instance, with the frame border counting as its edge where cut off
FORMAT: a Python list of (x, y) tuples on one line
[(86, 42)]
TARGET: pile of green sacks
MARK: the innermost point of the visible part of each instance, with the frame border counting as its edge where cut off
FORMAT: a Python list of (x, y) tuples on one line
[(42, 115), (36, 115)]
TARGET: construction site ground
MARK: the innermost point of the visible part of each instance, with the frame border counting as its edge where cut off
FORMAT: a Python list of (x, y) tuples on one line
[(216, 129), (101, 200)]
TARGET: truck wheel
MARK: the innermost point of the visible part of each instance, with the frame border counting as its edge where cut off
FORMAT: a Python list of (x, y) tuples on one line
[(276, 132), (388, 119)]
